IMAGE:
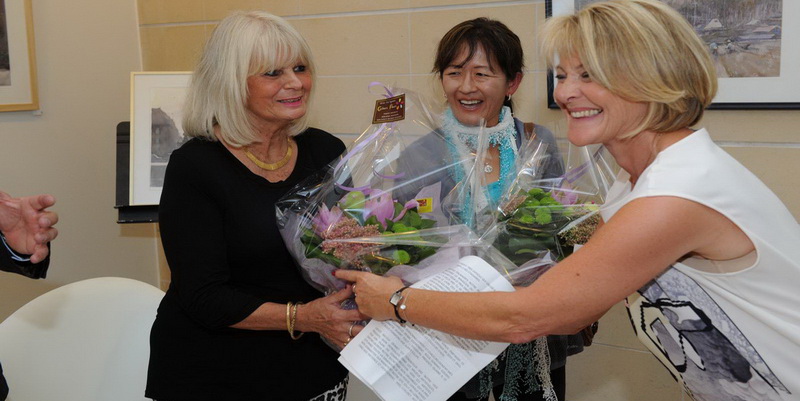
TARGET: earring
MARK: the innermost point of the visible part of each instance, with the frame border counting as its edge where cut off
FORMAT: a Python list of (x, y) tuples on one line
[(508, 97)]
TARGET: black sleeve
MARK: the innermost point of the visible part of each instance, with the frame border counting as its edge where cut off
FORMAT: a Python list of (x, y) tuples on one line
[(27, 269), (325, 147), (191, 224)]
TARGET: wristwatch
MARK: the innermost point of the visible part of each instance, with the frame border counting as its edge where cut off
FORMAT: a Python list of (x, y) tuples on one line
[(395, 301)]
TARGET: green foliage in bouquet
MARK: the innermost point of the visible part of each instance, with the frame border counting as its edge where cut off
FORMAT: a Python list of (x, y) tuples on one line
[(359, 216), (536, 221)]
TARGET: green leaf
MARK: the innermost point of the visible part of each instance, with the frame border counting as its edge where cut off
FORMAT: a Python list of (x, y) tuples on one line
[(401, 257), (402, 228), (372, 220), (531, 202), (353, 201), (537, 193), (426, 223), (414, 219), (526, 219), (543, 216)]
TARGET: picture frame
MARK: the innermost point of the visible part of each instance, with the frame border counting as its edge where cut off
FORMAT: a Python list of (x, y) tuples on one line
[(18, 84), (756, 62), (156, 130)]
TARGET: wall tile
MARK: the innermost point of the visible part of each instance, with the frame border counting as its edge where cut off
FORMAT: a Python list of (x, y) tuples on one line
[(216, 10), (430, 86), (608, 373), (363, 45), (334, 6), (160, 11), (343, 105), (753, 125), (429, 27), (432, 3), (173, 48), (777, 168)]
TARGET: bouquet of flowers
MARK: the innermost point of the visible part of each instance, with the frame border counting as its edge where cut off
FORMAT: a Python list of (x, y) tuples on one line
[(363, 215), (551, 215), (380, 207)]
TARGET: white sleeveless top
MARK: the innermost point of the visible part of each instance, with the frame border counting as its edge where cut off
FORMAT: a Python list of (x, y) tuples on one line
[(726, 330)]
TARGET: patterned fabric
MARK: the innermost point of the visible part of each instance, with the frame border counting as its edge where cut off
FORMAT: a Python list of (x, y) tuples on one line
[(726, 330), (503, 135), (338, 393), (525, 364)]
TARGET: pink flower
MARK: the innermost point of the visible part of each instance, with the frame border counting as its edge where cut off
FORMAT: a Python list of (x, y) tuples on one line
[(326, 219), (349, 251), (382, 207)]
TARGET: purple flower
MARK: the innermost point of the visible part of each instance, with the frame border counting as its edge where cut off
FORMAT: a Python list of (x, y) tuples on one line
[(381, 206), (326, 219)]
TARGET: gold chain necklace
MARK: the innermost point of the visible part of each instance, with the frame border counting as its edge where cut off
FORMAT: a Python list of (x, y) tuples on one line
[(272, 166)]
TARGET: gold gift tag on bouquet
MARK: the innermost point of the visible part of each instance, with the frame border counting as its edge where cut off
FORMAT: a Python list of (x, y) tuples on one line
[(425, 205), (390, 110)]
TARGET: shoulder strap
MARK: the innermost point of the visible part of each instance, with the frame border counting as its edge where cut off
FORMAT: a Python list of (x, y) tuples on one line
[(530, 132)]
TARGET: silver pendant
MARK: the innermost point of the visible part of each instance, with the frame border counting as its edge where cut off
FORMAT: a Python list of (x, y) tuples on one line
[(488, 168)]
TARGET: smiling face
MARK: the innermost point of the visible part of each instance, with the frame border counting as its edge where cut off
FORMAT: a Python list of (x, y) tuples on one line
[(276, 98), (476, 88), (594, 114)]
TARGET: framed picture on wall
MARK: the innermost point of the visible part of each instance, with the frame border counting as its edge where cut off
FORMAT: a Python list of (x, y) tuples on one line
[(18, 89), (156, 113), (749, 41)]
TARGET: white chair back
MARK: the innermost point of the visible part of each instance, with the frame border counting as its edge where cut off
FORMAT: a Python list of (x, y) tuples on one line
[(85, 341)]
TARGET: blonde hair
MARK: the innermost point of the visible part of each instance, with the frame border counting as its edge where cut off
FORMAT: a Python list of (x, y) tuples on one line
[(642, 51), (242, 45)]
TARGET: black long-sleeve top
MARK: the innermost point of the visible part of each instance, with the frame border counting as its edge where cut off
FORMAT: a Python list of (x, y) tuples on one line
[(226, 256)]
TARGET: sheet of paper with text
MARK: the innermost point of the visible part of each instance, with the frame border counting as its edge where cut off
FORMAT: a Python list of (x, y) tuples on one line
[(419, 364)]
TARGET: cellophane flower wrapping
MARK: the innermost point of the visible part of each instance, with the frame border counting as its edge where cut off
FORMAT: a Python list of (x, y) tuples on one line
[(379, 207), (542, 219)]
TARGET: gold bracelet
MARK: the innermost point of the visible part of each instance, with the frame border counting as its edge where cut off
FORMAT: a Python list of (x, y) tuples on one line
[(289, 319), (293, 320)]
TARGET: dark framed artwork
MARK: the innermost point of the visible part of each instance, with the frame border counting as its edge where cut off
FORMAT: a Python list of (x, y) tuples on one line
[(18, 90), (750, 42)]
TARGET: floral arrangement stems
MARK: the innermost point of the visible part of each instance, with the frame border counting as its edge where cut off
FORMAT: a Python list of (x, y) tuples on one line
[(533, 222)]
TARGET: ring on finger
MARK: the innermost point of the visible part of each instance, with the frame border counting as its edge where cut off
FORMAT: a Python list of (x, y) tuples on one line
[(347, 341), (354, 291), (350, 330)]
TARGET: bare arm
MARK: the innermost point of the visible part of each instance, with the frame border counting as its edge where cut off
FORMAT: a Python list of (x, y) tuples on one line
[(323, 316), (642, 240)]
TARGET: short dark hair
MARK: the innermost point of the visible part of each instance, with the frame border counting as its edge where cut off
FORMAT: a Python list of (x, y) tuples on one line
[(502, 46)]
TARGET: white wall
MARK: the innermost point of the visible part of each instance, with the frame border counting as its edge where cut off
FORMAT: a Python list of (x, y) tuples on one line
[(85, 52)]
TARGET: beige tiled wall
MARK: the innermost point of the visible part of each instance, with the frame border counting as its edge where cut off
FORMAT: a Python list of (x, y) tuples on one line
[(356, 42)]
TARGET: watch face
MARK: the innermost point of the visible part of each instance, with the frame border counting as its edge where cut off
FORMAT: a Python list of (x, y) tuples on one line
[(395, 298)]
